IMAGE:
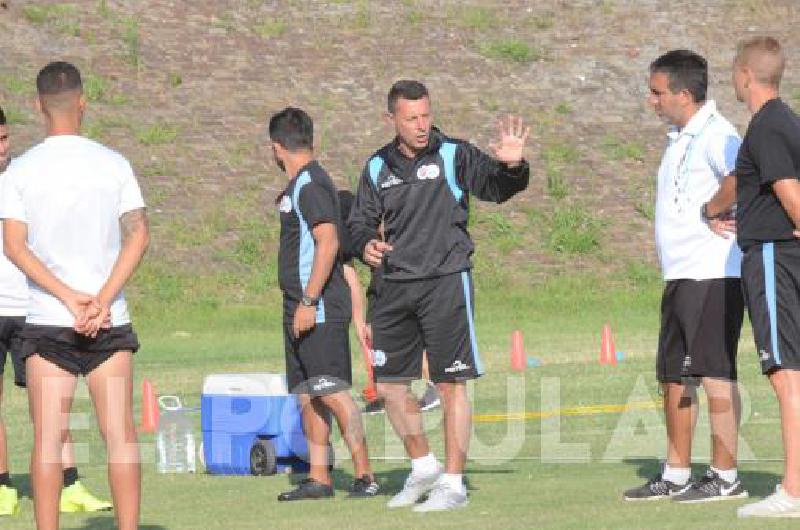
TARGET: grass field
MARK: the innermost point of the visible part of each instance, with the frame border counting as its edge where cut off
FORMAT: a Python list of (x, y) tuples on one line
[(563, 467)]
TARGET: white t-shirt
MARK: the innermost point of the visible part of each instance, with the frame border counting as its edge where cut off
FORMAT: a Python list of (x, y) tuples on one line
[(71, 192), (696, 160), (13, 286)]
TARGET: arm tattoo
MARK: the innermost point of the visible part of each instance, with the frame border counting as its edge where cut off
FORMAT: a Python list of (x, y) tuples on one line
[(132, 221)]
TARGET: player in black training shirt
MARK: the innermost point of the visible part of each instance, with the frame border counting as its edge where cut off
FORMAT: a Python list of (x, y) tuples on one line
[(768, 218), (419, 186), (316, 304)]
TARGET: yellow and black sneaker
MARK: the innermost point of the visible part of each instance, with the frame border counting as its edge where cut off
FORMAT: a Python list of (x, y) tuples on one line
[(76, 498), (9, 501)]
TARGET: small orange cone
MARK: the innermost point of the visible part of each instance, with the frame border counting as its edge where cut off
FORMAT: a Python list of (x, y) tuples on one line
[(370, 393), (518, 361), (608, 353), (150, 412)]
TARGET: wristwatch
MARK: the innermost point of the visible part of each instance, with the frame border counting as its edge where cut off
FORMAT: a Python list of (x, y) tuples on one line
[(309, 301)]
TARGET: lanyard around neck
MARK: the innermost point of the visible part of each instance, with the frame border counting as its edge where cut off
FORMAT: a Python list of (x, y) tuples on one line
[(681, 179)]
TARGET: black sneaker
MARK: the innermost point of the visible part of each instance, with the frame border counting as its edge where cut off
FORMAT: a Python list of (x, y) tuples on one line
[(712, 488), (655, 489), (374, 407), (307, 489), (430, 399), (364, 487)]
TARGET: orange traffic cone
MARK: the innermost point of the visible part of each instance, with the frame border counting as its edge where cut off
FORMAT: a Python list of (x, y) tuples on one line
[(518, 361), (149, 408), (608, 353), (370, 393)]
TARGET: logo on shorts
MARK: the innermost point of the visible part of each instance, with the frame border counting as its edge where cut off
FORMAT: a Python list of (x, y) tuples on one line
[(457, 366), (429, 172), (378, 357), (764, 354), (322, 384), (286, 204), (687, 362)]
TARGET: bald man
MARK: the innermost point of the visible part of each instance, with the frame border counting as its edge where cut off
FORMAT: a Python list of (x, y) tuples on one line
[(768, 218)]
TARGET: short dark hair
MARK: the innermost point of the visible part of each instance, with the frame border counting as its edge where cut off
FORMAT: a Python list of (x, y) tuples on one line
[(686, 71), (2, 117), (406, 89), (58, 77), (292, 128)]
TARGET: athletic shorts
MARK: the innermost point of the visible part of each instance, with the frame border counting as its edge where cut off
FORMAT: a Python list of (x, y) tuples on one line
[(318, 363), (11, 343), (433, 315), (73, 352), (700, 325), (771, 279)]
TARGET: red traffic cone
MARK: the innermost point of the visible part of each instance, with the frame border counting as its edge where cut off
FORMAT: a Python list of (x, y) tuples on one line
[(150, 411), (370, 393), (518, 361), (608, 353)]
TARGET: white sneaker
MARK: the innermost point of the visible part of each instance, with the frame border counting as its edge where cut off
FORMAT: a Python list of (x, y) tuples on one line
[(443, 497), (779, 504), (414, 488)]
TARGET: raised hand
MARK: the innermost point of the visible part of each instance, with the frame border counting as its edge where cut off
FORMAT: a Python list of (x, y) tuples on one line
[(511, 143)]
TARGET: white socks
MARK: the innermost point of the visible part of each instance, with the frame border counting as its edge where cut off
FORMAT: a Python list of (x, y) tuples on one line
[(681, 475), (452, 481), (427, 465), (424, 465), (728, 475), (676, 475)]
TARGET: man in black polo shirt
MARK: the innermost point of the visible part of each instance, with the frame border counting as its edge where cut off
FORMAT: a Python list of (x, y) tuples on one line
[(419, 185), (316, 305), (767, 218)]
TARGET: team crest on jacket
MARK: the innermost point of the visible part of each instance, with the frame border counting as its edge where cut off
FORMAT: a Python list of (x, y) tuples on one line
[(428, 172), (286, 204)]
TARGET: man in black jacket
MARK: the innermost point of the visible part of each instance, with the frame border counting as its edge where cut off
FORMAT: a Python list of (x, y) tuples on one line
[(419, 186)]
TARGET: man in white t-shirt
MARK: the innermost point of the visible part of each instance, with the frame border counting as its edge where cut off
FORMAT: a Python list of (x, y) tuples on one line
[(74, 222), (75, 497), (702, 307)]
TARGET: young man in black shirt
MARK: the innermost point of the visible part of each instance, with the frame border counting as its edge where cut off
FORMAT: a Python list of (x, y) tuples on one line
[(316, 305), (768, 219), (419, 186)]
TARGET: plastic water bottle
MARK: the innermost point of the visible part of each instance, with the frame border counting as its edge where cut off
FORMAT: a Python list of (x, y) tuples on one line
[(175, 448)]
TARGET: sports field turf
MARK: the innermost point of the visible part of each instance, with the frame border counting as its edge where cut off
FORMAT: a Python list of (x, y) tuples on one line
[(562, 461)]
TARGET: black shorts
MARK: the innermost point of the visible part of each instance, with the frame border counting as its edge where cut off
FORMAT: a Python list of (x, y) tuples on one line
[(11, 343), (73, 352), (434, 315), (700, 325), (771, 280), (318, 363)]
